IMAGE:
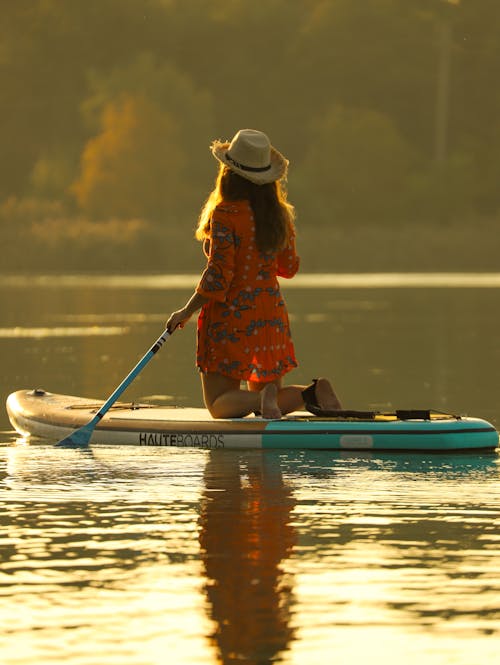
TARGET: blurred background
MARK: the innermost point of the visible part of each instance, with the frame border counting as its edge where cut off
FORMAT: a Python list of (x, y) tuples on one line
[(388, 110)]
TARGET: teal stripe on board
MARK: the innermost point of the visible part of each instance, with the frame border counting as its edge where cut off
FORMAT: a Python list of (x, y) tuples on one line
[(398, 435)]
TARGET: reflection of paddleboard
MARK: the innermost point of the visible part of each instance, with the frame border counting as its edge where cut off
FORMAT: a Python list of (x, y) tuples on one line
[(37, 413)]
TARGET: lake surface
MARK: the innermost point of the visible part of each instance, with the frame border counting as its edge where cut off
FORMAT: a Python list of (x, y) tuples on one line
[(141, 556)]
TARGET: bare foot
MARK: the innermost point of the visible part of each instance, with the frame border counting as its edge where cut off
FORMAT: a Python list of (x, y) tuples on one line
[(269, 402), (326, 397)]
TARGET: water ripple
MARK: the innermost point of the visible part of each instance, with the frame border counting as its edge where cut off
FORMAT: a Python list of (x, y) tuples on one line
[(261, 557)]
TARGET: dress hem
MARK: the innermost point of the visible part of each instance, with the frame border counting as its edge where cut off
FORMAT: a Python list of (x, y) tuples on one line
[(250, 376)]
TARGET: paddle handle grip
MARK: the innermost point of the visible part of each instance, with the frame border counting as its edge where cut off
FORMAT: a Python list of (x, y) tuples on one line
[(131, 376)]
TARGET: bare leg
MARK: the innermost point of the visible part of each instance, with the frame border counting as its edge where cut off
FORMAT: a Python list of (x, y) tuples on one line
[(224, 398), (290, 398), (269, 401)]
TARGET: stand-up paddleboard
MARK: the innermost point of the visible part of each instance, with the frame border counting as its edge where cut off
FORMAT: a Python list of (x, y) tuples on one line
[(41, 414)]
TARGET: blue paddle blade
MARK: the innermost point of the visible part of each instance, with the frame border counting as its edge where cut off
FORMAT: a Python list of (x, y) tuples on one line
[(80, 438)]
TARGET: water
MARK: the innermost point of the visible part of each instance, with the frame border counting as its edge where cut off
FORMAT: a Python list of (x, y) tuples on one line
[(142, 556)]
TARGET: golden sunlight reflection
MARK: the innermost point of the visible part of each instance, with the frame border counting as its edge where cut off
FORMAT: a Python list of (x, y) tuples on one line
[(378, 280), (92, 573), (247, 556), (107, 317), (245, 535), (386, 646), (19, 332)]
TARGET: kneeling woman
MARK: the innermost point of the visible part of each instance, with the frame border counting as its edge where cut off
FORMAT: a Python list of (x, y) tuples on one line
[(248, 234)]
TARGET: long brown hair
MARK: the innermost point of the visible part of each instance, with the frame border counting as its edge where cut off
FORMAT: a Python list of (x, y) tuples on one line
[(274, 216)]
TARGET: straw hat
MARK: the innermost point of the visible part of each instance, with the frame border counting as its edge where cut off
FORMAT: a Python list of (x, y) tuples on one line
[(251, 155)]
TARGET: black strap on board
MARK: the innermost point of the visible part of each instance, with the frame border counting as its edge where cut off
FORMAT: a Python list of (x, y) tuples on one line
[(399, 414)]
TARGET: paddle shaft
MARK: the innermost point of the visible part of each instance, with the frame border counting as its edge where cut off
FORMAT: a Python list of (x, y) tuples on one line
[(81, 436), (130, 377)]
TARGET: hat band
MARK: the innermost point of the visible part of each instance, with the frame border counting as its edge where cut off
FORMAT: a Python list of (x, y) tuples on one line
[(253, 169)]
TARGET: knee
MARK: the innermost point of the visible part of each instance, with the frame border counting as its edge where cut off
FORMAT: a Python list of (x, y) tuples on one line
[(217, 408), (211, 407), (214, 411)]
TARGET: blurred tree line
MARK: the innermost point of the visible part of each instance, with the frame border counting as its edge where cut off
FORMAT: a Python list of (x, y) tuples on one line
[(389, 111)]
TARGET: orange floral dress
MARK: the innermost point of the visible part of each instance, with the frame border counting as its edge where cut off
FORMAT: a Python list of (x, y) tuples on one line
[(243, 329)]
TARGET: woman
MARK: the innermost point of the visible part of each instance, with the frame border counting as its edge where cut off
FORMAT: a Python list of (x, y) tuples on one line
[(247, 229)]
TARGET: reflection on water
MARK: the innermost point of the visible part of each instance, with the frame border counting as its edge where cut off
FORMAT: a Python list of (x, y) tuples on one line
[(226, 556), (405, 547), (99, 556), (147, 555), (302, 281), (60, 331), (245, 535)]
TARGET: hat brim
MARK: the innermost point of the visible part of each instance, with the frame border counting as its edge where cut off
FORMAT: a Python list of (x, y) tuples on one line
[(278, 167)]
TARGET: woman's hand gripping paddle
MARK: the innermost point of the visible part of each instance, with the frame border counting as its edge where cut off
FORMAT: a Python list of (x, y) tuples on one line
[(81, 437)]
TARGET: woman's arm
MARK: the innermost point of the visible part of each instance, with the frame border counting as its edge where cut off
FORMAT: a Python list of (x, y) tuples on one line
[(180, 317), (288, 261), (218, 274)]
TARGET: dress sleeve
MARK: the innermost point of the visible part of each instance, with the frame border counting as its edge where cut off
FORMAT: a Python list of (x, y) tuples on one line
[(288, 261), (218, 274)]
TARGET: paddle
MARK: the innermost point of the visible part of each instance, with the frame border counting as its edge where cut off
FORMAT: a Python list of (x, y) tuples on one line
[(81, 436)]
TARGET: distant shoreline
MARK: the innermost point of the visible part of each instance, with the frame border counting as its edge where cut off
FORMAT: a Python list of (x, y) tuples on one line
[(461, 247)]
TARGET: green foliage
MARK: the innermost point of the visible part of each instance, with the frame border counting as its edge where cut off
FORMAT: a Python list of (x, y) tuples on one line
[(168, 89), (52, 175), (42, 235), (108, 107), (445, 192), (135, 166), (356, 168)]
